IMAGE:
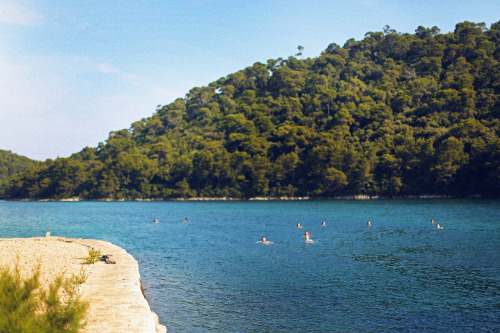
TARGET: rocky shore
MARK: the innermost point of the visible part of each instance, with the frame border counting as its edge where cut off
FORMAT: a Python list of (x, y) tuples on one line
[(283, 198), (113, 291)]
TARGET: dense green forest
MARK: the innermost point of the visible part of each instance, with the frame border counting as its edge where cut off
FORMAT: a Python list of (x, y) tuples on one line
[(394, 114), (11, 164)]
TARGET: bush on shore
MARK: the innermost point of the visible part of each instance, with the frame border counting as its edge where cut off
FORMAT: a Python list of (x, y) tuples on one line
[(24, 307)]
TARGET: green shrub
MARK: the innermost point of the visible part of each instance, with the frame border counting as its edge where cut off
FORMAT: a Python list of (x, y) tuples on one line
[(75, 280), (79, 278), (26, 308), (93, 257)]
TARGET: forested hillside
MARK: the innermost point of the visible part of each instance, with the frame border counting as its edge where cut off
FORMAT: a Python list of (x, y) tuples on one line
[(394, 114), (11, 164)]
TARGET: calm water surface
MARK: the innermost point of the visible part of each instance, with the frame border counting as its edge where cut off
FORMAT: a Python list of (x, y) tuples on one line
[(210, 274)]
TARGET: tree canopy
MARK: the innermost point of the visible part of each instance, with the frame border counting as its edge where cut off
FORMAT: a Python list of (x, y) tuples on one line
[(394, 114), (11, 164)]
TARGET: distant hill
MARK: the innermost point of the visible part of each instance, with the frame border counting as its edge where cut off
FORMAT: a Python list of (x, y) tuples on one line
[(394, 114), (11, 164)]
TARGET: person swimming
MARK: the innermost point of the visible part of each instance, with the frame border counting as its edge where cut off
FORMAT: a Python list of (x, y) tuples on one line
[(185, 219), (439, 227), (265, 241), (323, 224), (298, 225), (432, 221), (156, 221), (369, 223), (308, 237)]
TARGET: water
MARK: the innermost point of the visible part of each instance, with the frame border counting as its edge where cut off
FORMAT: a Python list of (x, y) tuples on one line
[(210, 274)]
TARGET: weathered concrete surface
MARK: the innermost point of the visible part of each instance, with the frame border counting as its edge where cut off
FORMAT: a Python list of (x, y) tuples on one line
[(114, 294), (116, 302)]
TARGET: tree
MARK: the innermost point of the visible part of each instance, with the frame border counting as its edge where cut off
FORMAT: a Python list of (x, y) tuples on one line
[(301, 49), (450, 157)]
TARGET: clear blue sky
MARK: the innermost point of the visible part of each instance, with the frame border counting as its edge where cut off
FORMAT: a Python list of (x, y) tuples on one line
[(72, 71)]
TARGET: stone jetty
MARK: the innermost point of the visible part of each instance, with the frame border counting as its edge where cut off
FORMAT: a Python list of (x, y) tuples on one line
[(113, 291)]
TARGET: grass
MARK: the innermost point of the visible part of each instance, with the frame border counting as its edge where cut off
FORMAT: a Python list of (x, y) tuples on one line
[(79, 278), (93, 257), (76, 279), (24, 307)]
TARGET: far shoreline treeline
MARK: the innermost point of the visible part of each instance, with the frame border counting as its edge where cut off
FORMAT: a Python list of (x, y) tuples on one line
[(394, 115), (208, 199)]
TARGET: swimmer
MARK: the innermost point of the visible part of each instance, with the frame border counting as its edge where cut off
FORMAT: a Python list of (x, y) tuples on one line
[(298, 225), (369, 223), (439, 227), (265, 241), (432, 221), (323, 224), (308, 238), (306, 233), (156, 220), (185, 219)]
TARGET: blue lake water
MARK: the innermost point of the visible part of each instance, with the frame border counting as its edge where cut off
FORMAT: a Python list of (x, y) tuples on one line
[(210, 274)]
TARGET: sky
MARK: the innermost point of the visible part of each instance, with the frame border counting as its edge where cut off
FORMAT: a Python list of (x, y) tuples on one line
[(73, 71)]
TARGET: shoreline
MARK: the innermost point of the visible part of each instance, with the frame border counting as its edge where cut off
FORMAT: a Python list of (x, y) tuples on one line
[(114, 292), (346, 197)]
